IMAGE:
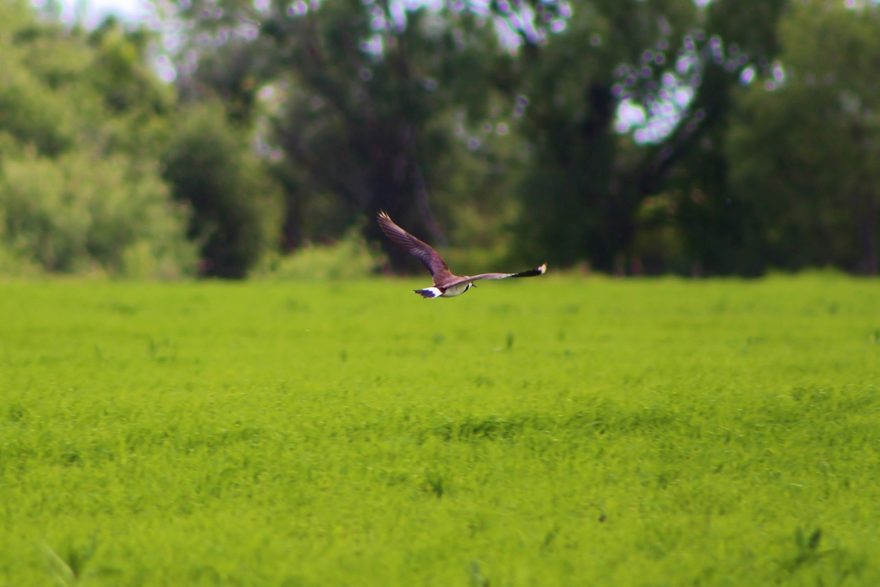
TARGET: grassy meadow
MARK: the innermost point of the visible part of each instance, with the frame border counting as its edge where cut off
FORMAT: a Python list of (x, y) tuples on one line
[(561, 431)]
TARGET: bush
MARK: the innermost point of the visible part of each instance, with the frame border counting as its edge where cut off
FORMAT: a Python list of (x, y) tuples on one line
[(236, 204), (13, 264), (349, 258), (78, 213)]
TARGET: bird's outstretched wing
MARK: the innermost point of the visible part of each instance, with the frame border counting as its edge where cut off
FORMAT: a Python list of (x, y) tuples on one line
[(539, 270), (420, 249)]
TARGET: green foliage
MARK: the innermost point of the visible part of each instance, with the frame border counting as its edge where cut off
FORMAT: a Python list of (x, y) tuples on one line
[(578, 65), (499, 124), (348, 258), (78, 213), (235, 202), (496, 125), (64, 90), (30, 113), (367, 102), (659, 244), (12, 263), (558, 431), (804, 154), (81, 117), (121, 73)]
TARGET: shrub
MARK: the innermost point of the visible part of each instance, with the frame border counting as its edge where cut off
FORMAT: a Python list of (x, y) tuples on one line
[(80, 213), (236, 204), (349, 258)]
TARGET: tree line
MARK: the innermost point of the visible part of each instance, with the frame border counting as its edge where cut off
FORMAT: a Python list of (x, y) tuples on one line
[(630, 136)]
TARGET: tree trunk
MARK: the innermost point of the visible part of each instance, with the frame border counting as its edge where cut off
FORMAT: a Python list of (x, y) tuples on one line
[(868, 224)]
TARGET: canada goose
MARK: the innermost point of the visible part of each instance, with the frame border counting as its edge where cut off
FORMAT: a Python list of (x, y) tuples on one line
[(446, 284)]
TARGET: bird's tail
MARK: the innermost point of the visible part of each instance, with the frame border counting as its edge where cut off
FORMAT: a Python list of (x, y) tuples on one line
[(429, 292)]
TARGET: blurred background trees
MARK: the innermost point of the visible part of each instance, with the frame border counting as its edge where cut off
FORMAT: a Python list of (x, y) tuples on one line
[(82, 119), (631, 136), (805, 148)]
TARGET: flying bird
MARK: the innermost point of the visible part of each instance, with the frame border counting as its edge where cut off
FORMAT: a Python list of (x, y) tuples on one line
[(446, 284)]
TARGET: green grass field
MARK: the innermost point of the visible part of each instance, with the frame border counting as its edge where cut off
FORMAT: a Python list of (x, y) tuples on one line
[(561, 431)]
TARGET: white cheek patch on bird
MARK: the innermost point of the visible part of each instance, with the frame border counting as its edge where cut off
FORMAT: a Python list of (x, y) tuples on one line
[(446, 284)]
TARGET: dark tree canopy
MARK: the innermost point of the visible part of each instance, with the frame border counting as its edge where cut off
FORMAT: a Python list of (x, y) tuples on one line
[(372, 101), (631, 136)]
